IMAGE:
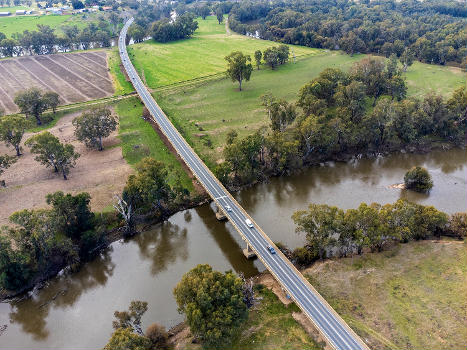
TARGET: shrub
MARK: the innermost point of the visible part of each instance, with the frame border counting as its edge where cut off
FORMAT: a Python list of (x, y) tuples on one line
[(418, 179)]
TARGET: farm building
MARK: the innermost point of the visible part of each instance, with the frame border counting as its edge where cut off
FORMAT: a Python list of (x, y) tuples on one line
[(20, 12)]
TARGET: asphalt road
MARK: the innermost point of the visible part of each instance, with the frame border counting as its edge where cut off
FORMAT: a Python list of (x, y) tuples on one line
[(331, 326)]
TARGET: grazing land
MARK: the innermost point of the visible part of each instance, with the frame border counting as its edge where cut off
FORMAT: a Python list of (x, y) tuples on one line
[(409, 297), (211, 109), (203, 54), (189, 84), (18, 24), (76, 77), (101, 174)]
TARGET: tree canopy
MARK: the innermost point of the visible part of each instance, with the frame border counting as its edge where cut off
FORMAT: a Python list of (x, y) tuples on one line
[(92, 126), (239, 67), (52, 153), (212, 303)]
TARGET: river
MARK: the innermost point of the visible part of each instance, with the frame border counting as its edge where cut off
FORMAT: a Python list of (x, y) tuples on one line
[(76, 311)]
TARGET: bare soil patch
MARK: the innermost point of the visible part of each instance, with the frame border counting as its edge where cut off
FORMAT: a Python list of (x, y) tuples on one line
[(269, 282), (101, 174), (76, 77)]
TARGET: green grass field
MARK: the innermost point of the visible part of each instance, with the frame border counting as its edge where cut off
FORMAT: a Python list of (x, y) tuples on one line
[(18, 24), (139, 140), (13, 9), (410, 297), (203, 54)]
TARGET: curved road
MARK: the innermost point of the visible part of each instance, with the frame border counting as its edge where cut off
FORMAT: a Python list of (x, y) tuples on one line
[(332, 327)]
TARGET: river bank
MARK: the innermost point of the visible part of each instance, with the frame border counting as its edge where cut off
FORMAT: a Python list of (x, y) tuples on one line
[(149, 265)]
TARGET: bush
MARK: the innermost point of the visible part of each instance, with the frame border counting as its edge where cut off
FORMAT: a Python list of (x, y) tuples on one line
[(458, 225), (158, 336), (418, 179), (303, 256)]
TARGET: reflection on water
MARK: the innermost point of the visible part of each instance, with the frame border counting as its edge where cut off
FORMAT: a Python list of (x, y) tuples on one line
[(76, 311)]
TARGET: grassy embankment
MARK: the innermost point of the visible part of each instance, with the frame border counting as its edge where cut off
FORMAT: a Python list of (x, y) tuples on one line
[(139, 140), (409, 297)]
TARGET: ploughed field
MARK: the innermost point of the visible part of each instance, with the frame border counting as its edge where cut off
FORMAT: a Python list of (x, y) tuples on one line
[(76, 77)]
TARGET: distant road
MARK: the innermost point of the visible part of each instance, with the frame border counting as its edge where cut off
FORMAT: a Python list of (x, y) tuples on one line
[(332, 327)]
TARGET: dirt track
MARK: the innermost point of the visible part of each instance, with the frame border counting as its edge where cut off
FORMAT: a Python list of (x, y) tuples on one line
[(102, 174), (76, 77)]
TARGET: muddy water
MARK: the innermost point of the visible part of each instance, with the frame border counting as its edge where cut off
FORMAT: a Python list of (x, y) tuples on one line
[(76, 311)]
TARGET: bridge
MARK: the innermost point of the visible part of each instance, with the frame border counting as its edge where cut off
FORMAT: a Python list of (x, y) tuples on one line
[(330, 325)]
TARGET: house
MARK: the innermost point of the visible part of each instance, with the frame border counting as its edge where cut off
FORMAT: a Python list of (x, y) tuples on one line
[(5, 13), (107, 8)]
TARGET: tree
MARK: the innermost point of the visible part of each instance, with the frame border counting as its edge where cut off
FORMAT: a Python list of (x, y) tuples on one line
[(271, 57), (50, 152), (320, 223), (370, 71), (418, 179), (31, 102), (239, 67), (5, 162), (8, 47), (258, 56), (351, 100), (458, 225), (212, 303), (126, 339), (204, 11), (406, 59), (158, 336), (136, 32), (77, 4), (12, 128), (397, 87), (51, 100), (280, 112), (92, 126), (72, 213), (131, 319), (219, 14), (148, 188)]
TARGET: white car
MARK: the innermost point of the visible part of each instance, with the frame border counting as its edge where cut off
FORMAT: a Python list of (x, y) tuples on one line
[(228, 208), (249, 223)]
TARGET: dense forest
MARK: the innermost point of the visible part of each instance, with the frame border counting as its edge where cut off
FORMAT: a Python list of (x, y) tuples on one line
[(432, 31)]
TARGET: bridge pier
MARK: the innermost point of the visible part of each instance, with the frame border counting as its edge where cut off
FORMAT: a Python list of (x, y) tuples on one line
[(248, 252), (220, 214)]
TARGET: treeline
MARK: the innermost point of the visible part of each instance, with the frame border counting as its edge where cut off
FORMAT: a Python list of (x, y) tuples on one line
[(433, 31), (170, 21), (183, 27), (334, 118), (331, 231), (45, 41), (43, 241)]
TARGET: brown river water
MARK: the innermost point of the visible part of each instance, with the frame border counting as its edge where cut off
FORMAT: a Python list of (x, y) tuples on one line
[(76, 311)]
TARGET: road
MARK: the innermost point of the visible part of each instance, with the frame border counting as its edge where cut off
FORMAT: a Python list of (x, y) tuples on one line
[(331, 326)]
